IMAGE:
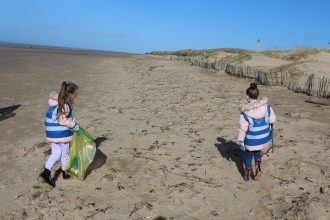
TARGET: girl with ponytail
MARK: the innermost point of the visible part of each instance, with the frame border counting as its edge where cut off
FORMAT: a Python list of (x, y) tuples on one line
[(254, 132), (59, 123)]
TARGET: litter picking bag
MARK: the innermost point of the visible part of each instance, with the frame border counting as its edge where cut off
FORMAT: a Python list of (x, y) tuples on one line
[(82, 153)]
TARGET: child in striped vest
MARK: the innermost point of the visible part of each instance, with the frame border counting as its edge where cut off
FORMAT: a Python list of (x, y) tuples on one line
[(59, 121), (254, 131)]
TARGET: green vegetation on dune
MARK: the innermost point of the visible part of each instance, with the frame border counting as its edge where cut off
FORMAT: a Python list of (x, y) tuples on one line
[(237, 59), (208, 52), (238, 55), (291, 55), (297, 57), (292, 68), (288, 55)]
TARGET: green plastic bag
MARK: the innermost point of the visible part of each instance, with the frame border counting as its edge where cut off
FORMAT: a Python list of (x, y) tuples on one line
[(82, 153)]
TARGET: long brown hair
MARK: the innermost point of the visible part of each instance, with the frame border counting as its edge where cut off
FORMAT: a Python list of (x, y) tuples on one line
[(66, 88)]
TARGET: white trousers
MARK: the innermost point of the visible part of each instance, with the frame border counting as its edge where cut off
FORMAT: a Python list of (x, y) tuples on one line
[(59, 150)]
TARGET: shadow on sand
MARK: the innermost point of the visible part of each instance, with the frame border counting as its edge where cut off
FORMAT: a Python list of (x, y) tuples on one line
[(100, 158), (56, 176), (7, 112), (231, 151)]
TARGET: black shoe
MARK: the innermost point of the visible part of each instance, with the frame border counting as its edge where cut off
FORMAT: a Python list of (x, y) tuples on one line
[(65, 175), (46, 177)]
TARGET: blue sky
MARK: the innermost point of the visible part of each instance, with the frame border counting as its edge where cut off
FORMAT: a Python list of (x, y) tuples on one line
[(140, 26)]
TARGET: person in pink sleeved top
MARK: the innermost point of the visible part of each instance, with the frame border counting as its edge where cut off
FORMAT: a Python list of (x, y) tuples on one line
[(254, 132), (59, 122)]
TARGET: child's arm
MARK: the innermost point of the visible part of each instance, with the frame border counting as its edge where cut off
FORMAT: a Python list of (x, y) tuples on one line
[(63, 118), (242, 129), (52, 101), (272, 117)]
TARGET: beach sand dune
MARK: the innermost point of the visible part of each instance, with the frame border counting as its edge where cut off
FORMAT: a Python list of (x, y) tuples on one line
[(166, 136)]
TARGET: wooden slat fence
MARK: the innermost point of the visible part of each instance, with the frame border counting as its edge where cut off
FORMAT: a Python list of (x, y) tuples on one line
[(314, 86), (317, 86)]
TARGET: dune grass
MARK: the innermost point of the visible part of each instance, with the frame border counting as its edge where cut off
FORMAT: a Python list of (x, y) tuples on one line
[(204, 53), (292, 68), (291, 55), (298, 57), (237, 59)]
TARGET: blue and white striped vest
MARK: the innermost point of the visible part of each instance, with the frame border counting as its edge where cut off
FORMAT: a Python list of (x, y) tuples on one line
[(53, 128), (259, 130)]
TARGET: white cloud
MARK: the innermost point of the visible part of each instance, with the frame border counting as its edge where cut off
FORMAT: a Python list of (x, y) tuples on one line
[(117, 34), (51, 26), (156, 38), (12, 28), (313, 36), (28, 31), (41, 12), (109, 34), (277, 47), (72, 25), (92, 33), (300, 45)]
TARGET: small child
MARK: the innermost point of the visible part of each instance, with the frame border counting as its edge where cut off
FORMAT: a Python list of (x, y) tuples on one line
[(254, 131), (59, 121)]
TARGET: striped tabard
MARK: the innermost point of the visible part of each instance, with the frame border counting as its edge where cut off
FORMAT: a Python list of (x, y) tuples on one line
[(259, 131), (53, 128)]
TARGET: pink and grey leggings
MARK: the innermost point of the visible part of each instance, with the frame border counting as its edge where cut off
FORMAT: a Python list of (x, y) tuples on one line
[(59, 150), (249, 156)]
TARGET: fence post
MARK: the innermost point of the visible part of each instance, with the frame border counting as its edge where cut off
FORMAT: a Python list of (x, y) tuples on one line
[(326, 89), (266, 82), (319, 87)]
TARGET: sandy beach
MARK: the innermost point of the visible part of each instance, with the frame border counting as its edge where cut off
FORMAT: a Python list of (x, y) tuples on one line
[(166, 136)]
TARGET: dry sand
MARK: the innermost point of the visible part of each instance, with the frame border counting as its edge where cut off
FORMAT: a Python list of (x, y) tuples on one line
[(319, 64), (263, 62), (166, 136)]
